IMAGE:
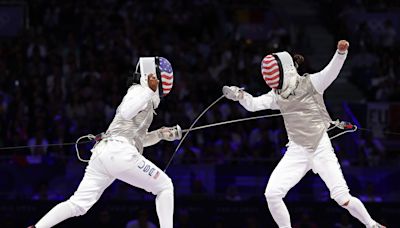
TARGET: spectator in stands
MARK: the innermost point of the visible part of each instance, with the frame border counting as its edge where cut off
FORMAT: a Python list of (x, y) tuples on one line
[(104, 219), (142, 220), (388, 36), (370, 194), (372, 149), (44, 193), (305, 221), (232, 193), (38, 139), (344, 222), (184, 219)]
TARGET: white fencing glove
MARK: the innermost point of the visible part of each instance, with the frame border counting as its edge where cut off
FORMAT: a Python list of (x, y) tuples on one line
[(233, 92), (170, 133)]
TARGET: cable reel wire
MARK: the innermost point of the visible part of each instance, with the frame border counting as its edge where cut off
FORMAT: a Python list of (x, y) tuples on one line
[(344, 132), (337, 124), (43, 145), (348, 127), (91, 138), (237, 121), (188, 130)]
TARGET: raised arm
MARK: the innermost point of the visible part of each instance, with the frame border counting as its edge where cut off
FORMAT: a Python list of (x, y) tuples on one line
[(325, 77), (252, 104)]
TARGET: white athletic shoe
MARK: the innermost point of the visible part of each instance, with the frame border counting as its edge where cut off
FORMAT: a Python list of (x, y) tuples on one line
[(377, 225)]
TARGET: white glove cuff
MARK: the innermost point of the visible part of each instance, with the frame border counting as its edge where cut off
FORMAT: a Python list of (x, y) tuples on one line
[(233, 93), (170, 133)]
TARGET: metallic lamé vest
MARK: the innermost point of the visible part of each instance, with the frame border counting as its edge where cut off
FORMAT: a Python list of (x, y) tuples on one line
[(134, 129), (306, 127)]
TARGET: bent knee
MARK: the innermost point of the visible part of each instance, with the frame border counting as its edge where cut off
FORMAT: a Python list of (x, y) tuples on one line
[(167, 186), (343, 198), (273, 194), (76, 209)]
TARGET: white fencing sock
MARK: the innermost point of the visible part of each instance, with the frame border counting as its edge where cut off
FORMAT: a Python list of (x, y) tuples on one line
[(165, 208), (358, 210), (59, 213), (279, 212)]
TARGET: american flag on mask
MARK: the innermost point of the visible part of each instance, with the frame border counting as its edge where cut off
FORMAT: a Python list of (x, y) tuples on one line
[(270, 71), (167, 75)]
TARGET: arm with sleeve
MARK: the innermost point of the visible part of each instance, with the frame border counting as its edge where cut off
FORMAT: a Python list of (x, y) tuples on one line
[(151, 138), (135, 101), (325, 77), (252, 104)]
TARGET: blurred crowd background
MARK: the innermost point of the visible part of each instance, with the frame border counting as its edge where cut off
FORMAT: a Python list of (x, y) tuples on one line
[(64, 66)]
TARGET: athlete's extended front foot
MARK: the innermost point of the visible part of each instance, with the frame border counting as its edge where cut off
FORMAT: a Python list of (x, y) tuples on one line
[(377, 225)]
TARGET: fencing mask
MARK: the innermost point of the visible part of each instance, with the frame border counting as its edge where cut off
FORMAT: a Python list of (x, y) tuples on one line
[(160, 67), (279, 72)]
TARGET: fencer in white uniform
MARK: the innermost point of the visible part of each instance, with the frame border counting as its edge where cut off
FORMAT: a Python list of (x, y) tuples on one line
[(119, 154), (309, 146)]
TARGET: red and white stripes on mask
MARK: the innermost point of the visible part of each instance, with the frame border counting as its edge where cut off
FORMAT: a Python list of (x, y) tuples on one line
[(166, 74), (159, 66), (270, 71)]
